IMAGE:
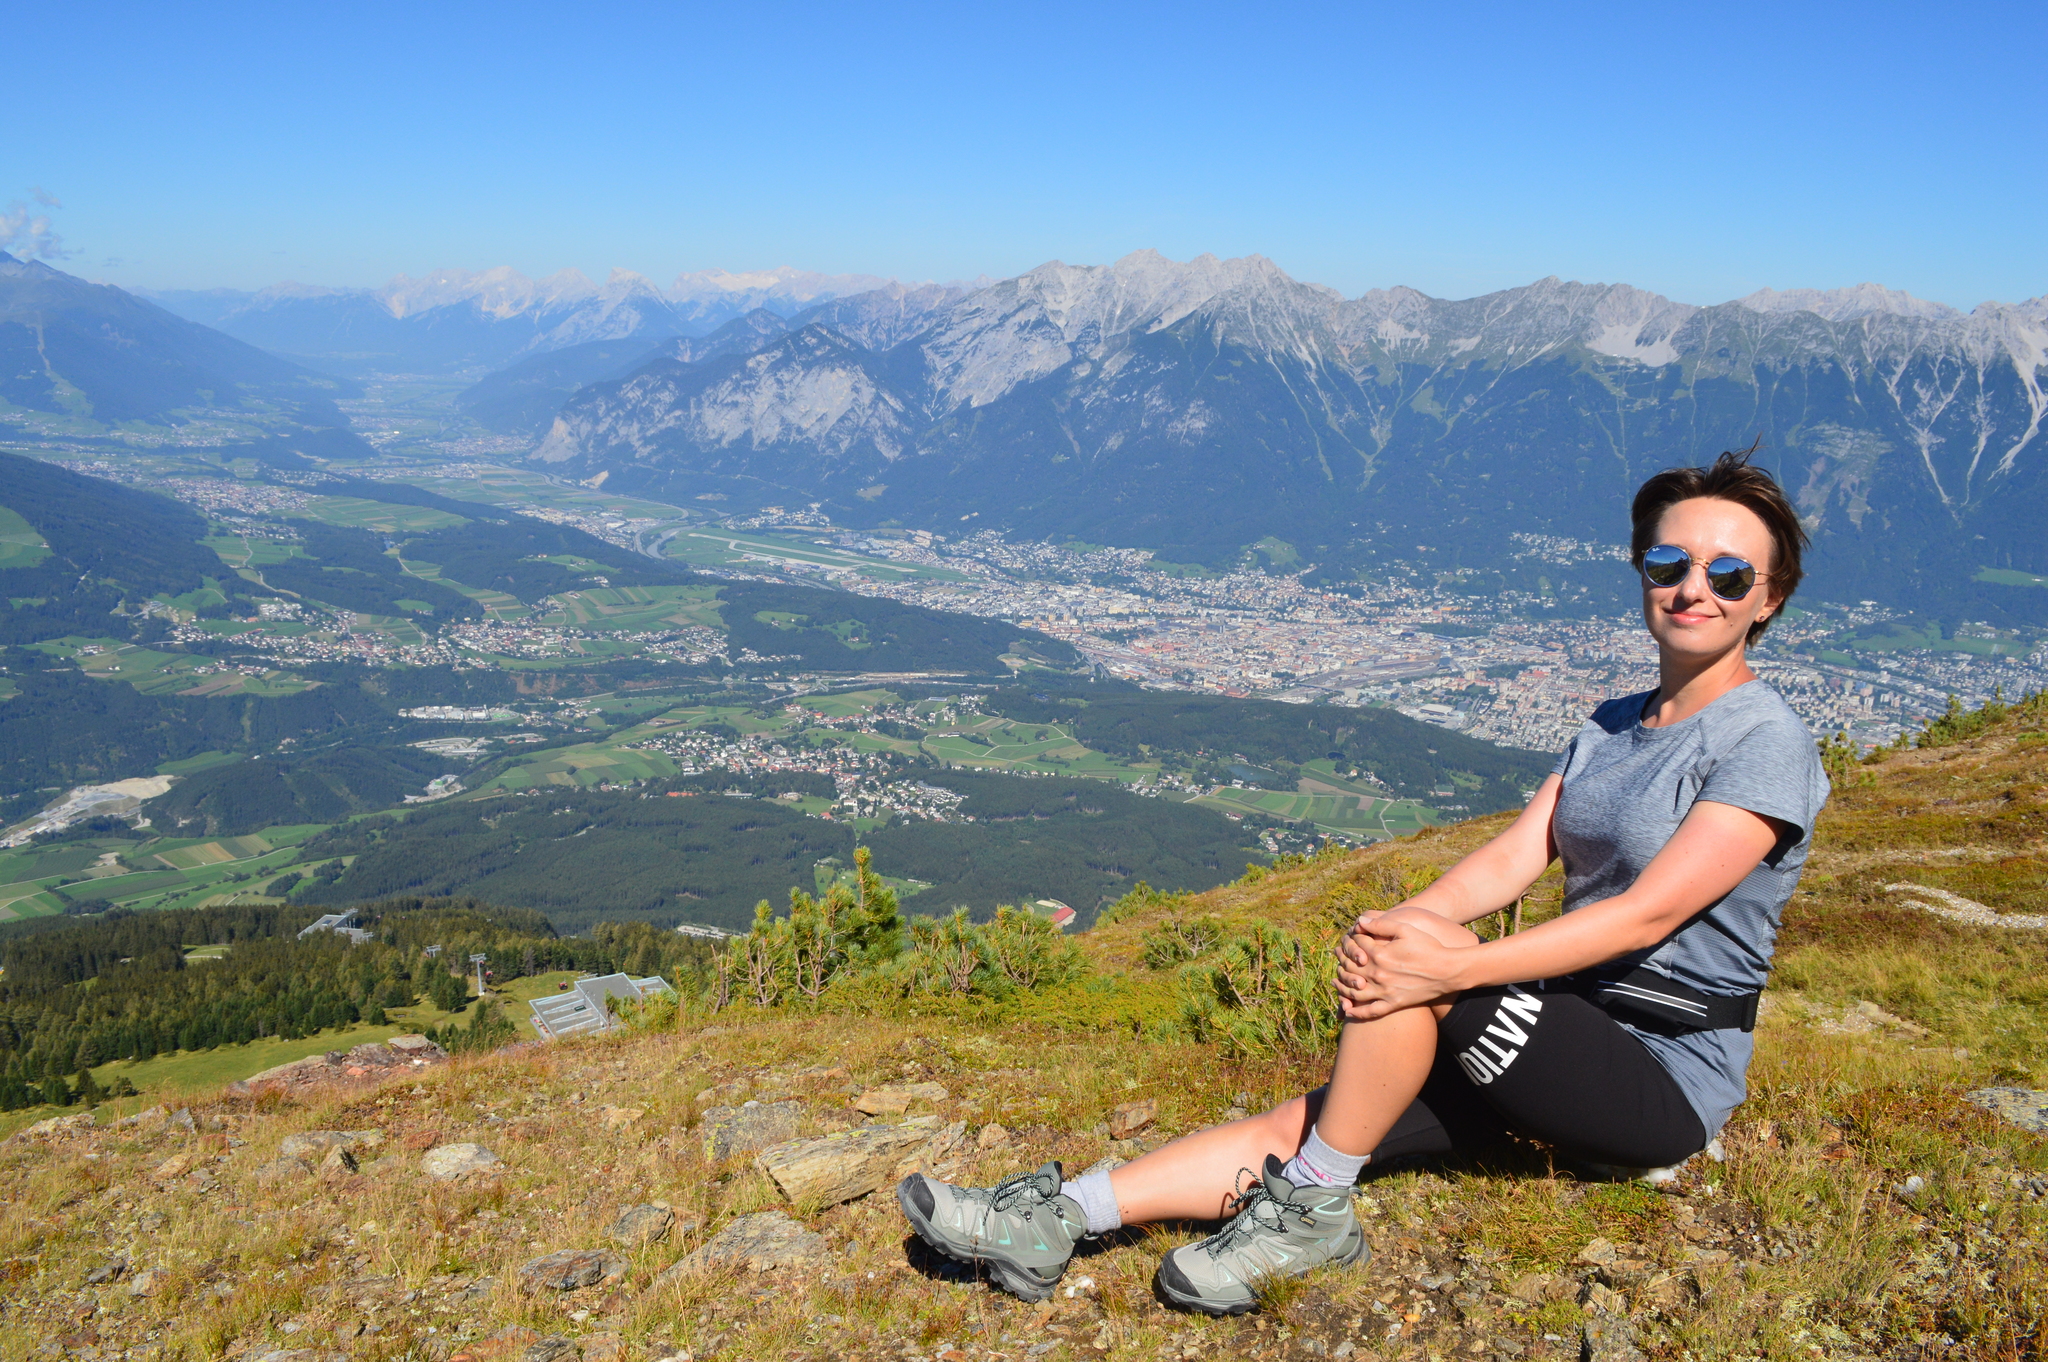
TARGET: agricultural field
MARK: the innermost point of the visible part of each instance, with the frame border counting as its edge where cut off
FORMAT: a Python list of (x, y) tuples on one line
[(160, 873), (158, 673), (219, 852), (995, 744), (1355, 817), (359, 513), (204, 761), (497, 605), (584, 767), (1332, 804), (240, 551), (635, 609)]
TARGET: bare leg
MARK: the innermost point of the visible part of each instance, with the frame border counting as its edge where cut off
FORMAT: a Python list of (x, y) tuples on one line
[(1380, 1067), (1195, 1177)]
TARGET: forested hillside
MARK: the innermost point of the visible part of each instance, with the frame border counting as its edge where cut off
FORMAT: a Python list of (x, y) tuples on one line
[(1211, 732), (110, 548), (121, 986), (582, 856)]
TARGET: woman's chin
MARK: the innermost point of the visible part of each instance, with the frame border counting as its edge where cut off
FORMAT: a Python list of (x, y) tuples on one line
[(1693, 642)]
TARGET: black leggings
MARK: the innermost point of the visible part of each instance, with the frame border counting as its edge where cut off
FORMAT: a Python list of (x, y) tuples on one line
[(1552, 1065)]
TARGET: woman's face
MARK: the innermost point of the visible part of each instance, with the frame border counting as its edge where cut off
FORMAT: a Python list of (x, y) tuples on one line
[(1688, 619)]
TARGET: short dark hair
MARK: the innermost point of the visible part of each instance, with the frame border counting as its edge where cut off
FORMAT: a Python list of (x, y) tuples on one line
[(1732, 477)]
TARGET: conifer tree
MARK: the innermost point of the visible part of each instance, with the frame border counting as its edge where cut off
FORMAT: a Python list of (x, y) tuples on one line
[(90, 1093)]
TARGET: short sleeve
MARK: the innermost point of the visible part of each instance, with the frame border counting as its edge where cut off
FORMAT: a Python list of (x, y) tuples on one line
[(1773, 770)]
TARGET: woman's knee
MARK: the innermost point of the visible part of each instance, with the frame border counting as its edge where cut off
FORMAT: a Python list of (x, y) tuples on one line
[(1447, 932), (1291, 1120)]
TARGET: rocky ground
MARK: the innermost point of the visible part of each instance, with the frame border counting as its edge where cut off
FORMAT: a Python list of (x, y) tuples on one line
[(722, 1189)]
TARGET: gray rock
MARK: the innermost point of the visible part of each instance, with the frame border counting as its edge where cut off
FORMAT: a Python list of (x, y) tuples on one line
[(447, 1162), (1608, 1338), (643, 1224), (553, 1348), (282, 1170), (753, 1126), (181, 1120), (146, 1283), (111, 1270), (338, 1160), (477, 1291), (839, 1167), (756, 1243), (2024, 1107), (314, 1144), (572, 1270), (1106, 1165)]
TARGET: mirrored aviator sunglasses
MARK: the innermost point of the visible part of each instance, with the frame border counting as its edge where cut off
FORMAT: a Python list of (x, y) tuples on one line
[(1729, 578)]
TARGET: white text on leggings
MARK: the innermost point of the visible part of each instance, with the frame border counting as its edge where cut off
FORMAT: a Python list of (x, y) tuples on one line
[(1488, 1060)]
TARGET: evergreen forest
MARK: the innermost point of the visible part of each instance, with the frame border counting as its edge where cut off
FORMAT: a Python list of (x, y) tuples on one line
[(122, 986)]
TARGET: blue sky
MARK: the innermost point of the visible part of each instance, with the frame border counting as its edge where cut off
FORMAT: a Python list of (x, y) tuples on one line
[(1701, 151)]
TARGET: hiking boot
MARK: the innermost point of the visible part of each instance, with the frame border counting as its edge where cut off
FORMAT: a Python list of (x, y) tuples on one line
[(1279, 1230), (1022, 1229)]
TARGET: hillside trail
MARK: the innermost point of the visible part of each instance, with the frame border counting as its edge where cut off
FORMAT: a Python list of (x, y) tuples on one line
[(720, 1188)]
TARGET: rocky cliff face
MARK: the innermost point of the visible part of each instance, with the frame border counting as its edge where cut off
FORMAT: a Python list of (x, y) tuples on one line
[(1194, 408)]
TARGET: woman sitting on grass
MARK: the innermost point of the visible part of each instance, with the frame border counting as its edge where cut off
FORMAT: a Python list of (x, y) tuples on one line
[(1618, 1032)]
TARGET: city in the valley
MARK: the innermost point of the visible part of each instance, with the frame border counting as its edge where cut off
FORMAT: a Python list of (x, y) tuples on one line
[(1508, 667)]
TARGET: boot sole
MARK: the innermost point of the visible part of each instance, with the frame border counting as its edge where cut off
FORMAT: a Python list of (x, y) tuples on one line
[(1359, 1252), (1012, 1278)]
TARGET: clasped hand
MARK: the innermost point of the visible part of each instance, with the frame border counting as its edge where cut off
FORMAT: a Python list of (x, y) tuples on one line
[(1388, 961)]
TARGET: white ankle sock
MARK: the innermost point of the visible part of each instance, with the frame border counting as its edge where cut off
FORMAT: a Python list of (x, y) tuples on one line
[(1318, 1165), (1097, 1200)]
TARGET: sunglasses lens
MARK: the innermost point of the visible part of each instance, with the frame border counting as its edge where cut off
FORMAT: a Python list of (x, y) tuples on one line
[(1730, 578), (1666, 564)]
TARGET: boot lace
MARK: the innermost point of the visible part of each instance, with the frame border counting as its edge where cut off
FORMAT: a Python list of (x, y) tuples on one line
[(1008, 1194), (1245, 1218)]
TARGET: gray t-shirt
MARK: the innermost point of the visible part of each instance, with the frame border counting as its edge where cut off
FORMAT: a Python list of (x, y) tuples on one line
[(1627, 788)]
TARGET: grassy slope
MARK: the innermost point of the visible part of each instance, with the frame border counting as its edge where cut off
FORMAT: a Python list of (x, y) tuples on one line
[(1795, 1247)]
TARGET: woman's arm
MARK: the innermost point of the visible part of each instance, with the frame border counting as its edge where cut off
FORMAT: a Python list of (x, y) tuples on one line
[(1393, 964), (1501, 871)]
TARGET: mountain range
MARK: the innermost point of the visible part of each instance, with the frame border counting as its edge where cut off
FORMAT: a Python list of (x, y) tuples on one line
[(1197, 408), (70, 348), (454, 321)]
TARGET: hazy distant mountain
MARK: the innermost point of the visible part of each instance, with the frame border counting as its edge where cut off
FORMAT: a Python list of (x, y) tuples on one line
[(1197, 408), (523, 398), (91, 350), (453, 321)]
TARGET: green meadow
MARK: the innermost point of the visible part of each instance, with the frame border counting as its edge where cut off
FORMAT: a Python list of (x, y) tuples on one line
[(20, 545), (157, 673)]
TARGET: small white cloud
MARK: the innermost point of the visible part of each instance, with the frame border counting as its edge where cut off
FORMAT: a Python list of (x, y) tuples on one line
[(27, 233)]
